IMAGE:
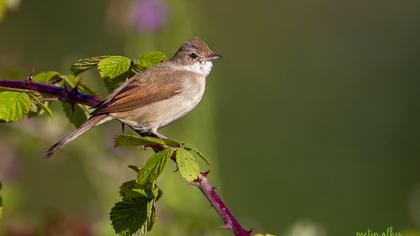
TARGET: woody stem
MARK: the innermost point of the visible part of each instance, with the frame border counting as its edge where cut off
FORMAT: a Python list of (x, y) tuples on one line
[(74, 96), (63, 94)]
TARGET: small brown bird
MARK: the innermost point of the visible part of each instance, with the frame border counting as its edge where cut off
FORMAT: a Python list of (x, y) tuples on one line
[(157, 96)]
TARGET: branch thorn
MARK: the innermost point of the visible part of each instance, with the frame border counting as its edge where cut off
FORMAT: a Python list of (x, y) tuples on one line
[(205, 173)]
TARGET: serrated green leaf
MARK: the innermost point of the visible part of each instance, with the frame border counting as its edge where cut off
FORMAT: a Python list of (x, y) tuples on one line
[(44, 77), (135, 140), (136, 213), (153, 168), (134, 216), (42, 105), (76, 115), (13, 105), (172, 142), (112, 84), (151, 218), (127, 190), (113, 66), (70, 80), (85, 64), (136, 68), (188, 167), (190, 147), (132, 140), (149, 59)]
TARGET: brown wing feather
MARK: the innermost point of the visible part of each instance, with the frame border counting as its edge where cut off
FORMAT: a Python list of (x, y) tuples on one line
[(151, 86)]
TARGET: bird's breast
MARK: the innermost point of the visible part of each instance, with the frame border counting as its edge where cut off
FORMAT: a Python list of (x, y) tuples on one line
[(190, 96), (161, 113)]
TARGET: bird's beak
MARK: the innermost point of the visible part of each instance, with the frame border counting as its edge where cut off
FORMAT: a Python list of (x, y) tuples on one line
[(214, 57)]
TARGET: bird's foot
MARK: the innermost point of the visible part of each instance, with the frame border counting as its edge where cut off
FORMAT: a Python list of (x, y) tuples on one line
[(158, 135), (154, 134)]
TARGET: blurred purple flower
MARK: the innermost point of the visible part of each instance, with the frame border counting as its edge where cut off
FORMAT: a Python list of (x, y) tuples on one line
[(149, 15)]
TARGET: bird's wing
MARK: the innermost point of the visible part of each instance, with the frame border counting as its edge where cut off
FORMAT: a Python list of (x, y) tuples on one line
[(143, 89)]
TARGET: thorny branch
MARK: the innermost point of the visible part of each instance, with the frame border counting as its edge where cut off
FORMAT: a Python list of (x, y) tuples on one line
[(74, 96)]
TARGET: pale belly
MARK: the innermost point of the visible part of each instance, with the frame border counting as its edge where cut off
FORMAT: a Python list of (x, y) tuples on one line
[(151, 117)]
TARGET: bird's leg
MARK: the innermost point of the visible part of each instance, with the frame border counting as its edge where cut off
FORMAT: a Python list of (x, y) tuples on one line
[(158, 135), (122, 127), (154, 134)]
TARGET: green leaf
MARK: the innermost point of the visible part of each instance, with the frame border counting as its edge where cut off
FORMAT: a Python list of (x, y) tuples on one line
[(112, 84), (44, 77), (136, 212), (13, 105), (190, 147), (172, 143), (133, 216), (136, 68), (133, 140), (188, 167), (113, 66), (76, 115), (75, 81), (129, 190), (149, 59), (153, 168), (70, 80), (42, 105), (85, 64)]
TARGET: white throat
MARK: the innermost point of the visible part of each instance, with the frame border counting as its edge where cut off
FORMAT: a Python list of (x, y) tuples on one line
[(202, 68)]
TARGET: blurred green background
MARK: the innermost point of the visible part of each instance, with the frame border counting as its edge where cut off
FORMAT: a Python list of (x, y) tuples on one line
[(311, 121)]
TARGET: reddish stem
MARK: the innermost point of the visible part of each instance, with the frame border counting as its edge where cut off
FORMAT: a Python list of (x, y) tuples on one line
[(73, 96), (224, 212)]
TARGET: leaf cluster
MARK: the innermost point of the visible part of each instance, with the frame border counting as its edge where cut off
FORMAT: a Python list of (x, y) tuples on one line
[(15, 104), (135, 213), (114, 70)]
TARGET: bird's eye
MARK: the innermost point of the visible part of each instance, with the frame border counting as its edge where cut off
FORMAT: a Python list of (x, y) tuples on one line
[(193, 56)]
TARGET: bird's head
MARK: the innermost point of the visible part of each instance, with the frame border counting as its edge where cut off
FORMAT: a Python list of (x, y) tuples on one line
[(195, 55)]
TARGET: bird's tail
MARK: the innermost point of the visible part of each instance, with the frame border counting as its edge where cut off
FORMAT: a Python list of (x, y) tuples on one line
[(89, 123)]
